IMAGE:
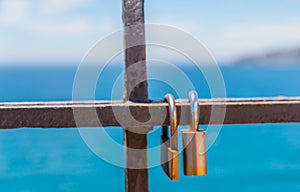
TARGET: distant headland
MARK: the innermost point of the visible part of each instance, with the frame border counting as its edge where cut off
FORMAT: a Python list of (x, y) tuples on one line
[(276, 58)]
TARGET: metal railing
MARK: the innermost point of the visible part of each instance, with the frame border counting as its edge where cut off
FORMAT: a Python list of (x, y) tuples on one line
[(61, 114)]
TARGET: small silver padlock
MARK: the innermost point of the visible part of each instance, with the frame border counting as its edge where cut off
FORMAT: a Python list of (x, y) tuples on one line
[(194, 142), (169, 146)]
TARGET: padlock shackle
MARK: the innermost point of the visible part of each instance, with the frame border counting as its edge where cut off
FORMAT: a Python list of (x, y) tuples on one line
[(172, 111), (194, 115)]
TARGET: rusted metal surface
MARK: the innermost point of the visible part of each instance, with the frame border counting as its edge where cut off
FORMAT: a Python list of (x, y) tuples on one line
[(136, 90), (60, 114), (136, 85)]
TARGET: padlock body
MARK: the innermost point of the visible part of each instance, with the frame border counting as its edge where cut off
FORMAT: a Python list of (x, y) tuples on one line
[(169, 159), (194, 152), (173, 164)]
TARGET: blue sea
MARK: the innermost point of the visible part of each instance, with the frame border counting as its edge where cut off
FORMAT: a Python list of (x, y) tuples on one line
[(244, 157)]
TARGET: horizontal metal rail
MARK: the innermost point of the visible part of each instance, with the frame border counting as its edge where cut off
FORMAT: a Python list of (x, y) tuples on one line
[(119, 113)]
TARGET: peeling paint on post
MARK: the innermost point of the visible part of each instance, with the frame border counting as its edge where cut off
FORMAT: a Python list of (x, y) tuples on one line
[(136, 90)]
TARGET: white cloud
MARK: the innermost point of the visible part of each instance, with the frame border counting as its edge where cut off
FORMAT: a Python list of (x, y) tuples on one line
[(14, 11), (190, 25), (64, 28), (230, 42), (56, 7), (48, 30), (22, 15), (255, 38), (60, 21)]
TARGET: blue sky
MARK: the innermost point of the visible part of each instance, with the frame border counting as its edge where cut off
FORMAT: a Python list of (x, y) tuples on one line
[(62, 31)]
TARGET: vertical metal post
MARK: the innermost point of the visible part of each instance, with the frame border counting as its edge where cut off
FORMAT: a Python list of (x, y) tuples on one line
[(136, 90)]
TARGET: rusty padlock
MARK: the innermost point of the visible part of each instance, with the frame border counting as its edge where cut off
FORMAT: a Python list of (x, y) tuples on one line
[(194, 142), (169, 146)]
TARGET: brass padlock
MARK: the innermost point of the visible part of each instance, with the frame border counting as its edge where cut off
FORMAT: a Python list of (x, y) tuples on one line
[(169, 146), (194, 142)]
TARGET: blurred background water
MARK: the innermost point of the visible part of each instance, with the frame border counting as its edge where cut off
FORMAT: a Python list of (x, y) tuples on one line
[(244, 157)]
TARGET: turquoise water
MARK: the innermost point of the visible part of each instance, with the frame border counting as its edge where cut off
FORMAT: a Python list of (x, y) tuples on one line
[(244, 157)]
